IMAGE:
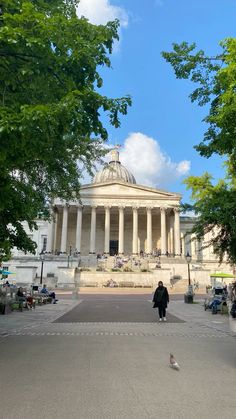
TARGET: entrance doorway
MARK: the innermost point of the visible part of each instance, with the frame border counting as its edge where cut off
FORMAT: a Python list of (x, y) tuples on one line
[(113, 247)]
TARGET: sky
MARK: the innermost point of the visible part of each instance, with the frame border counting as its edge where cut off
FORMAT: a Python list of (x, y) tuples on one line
[(158, 134)]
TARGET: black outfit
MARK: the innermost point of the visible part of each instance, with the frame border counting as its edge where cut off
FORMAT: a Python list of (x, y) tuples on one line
[(161, 299), (20, 296)]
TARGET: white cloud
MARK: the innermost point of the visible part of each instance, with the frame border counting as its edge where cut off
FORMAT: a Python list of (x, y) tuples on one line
[(102, 11), (150, 166), (144, 158)]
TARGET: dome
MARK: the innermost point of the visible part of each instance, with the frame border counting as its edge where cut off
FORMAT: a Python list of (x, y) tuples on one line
[(114, 170)]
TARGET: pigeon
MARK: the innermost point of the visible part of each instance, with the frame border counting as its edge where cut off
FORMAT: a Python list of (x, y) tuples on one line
[(173, 363)]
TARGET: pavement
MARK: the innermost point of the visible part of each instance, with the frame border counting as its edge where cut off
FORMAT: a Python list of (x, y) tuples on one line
[(105, 356)]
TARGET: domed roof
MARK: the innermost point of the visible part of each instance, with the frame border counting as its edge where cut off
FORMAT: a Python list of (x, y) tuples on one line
[(114, 170)]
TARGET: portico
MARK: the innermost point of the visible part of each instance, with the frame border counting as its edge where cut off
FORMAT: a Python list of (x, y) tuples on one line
[(90, 229), (115, 215)]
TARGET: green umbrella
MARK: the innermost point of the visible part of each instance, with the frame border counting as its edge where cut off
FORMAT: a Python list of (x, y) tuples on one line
[(222, 275)]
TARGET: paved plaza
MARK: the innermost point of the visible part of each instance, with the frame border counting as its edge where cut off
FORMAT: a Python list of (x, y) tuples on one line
[(105, 356)]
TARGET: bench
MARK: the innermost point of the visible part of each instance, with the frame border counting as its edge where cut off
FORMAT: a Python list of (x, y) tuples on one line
[(126, 284), (88, 284)]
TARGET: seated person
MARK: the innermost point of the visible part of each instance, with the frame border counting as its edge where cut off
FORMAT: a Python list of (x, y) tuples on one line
[(21, 297), (52, 294), (20, 294)]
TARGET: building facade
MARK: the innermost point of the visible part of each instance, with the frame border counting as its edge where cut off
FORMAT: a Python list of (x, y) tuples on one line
[(114, 216)]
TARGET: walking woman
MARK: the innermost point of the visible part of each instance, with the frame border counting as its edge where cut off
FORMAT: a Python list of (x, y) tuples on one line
[(161, 299)]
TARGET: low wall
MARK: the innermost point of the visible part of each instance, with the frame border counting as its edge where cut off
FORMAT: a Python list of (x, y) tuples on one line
[(66, 277), (149, 279)]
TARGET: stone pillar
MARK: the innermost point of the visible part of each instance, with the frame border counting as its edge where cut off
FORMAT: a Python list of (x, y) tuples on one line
[(135, 231), (149, 230), (55, 232), (188, 245), (199, 250), (93, 230), (193, 246), (171, 235), (183, 253), (121, 231), (177, 232), (163, 231), (51, 232), (78, 229), (107, 230), (64, 228)]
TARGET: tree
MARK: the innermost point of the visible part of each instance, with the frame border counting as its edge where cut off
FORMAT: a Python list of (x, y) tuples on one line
[(50, 108), (214, 203)]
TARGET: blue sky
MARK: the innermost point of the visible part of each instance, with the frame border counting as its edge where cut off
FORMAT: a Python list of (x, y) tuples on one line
[(162, 126)]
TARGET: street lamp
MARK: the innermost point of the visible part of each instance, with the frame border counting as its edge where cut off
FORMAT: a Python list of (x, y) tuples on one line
[(188, 260), (188, 297), (42, 261)]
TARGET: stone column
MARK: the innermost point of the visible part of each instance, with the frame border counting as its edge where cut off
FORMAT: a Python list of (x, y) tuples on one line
[(78, 229), (171, 235), (149, 230), (193, 246), (121, 231), (163, 231), (55, 233), (183, 253), (51, 232), (64, 228), (107, 230), (177, 232), (93, 230), (188, 245), (135, 231)]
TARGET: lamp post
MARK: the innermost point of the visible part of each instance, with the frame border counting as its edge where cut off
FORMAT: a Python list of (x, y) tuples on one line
[(188, 297), (42, 261), (188, 260)]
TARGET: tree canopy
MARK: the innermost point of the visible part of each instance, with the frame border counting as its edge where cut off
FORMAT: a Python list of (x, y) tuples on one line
[(50, 108), (214, 203)]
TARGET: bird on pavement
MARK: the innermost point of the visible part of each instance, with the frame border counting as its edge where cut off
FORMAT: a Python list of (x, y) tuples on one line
[(173, 363)]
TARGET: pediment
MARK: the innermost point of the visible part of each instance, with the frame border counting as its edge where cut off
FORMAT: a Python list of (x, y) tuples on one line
[(125, 190)]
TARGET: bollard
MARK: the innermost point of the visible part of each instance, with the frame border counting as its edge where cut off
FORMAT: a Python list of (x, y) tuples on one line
[(188, 298), (75, 295)]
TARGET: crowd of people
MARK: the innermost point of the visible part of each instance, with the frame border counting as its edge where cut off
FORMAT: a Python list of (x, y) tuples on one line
[(26, 296)]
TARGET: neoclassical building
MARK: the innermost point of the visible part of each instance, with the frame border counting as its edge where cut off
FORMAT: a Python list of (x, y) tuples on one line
[(115, 216)]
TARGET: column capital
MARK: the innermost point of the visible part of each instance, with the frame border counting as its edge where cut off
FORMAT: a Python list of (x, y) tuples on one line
[(149, 209), (163, 209), (121, 207), (107, 206), (135, 207), (93, 206), (176, 209)]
